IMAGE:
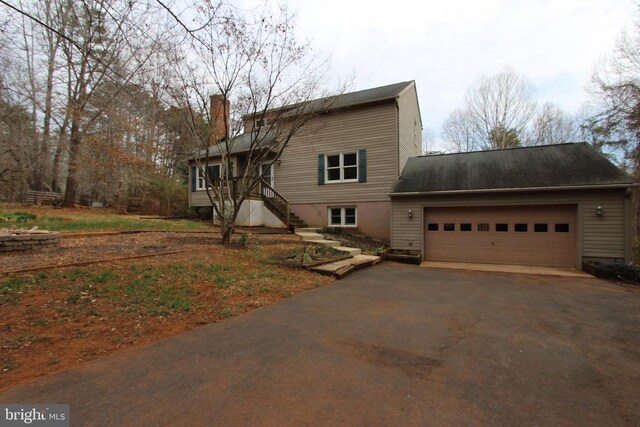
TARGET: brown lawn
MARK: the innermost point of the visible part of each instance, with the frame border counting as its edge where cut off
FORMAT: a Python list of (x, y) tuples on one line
[(57, 318)]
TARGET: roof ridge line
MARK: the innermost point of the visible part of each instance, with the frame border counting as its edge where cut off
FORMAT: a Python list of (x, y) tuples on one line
[(503, 149)]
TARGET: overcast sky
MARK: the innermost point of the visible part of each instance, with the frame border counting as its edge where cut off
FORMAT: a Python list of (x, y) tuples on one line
[(446, 45)]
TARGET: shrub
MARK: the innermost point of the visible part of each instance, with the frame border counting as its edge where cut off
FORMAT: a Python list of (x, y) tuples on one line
[(19, 217), (332, 230), (205, 212)]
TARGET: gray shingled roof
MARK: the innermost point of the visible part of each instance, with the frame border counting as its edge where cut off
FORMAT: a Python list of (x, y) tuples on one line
[(351, 99), (367, 96), (562, 165), (239, 144)]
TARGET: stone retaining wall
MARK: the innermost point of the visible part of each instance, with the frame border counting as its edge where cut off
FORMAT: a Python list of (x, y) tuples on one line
[(28, 242)]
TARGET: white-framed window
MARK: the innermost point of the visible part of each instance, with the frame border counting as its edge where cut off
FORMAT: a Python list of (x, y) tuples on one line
[(343, 217), (214, 175), (341, 167), (258, 123)]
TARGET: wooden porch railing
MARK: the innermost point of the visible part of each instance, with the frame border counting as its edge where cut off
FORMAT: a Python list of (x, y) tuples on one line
[(275, 202)]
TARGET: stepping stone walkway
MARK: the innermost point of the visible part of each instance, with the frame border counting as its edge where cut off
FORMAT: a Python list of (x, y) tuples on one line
[(341, 268)]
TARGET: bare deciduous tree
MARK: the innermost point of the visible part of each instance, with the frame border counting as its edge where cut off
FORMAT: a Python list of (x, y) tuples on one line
[(614, 125), (496, 113), (460, 133), (103, 44), (553, 126), (262, 76)]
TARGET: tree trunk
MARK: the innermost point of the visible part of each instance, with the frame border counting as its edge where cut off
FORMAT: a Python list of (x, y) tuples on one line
[(46, 129), (55, 169), (227, 232), (74, 149)]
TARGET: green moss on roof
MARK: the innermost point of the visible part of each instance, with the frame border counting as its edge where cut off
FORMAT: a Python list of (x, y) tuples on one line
[(561, 165)]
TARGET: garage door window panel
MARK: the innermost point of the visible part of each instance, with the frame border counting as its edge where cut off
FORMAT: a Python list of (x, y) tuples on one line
[(465, 226), (449, 227), (562, 228), (432, 227), (520, 228), (540, 228), (502, 227)]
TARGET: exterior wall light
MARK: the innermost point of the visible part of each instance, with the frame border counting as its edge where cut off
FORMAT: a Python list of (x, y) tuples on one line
[(410, 214), (279, 161), (599, 210)]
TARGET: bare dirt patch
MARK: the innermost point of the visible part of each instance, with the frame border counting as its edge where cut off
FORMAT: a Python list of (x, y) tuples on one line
[(54, 319), (83, 249)]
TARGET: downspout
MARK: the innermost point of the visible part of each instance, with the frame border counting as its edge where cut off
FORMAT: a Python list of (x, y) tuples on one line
[(397, 167), (397, 137), (629, 226)]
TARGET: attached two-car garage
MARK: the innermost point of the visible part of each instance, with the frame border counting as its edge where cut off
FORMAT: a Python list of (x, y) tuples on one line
[(558, 205), (532, 235)]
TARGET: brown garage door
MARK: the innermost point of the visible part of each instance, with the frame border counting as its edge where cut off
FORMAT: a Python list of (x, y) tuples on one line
[(528, 235)]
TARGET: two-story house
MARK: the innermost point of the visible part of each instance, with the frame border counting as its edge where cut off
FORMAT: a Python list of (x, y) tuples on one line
[(340, 171)]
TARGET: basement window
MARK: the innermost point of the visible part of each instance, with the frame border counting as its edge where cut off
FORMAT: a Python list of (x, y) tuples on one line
[(343, 217)]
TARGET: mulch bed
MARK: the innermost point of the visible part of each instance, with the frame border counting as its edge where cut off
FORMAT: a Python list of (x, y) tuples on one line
[(368, 245)]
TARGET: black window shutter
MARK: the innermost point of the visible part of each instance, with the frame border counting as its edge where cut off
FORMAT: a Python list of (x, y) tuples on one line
[(320, 169), (193, 178), (362, 166)]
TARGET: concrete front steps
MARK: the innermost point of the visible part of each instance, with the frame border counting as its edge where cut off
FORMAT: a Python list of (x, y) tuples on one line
[(312, 236), (341, 268)]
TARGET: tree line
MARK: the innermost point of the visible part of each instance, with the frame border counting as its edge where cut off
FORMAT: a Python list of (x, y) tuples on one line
[(83, 99), (105, 99), (108, 99), (500, 111)]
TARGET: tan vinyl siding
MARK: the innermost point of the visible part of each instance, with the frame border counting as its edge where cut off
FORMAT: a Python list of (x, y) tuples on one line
[(406, 232), (199, 198), (410, 127), (604, 236), (598, 236), (372, 128)]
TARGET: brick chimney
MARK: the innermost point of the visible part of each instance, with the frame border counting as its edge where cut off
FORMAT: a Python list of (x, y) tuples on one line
[(218, 118)]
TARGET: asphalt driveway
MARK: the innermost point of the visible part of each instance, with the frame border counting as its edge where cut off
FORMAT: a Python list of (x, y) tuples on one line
[(390, 345)]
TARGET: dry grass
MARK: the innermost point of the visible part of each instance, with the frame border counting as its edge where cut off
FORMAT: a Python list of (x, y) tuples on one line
[(86, 219), (58, 318)]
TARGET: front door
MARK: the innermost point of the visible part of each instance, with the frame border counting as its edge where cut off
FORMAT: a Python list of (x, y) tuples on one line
[(266, 170)]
